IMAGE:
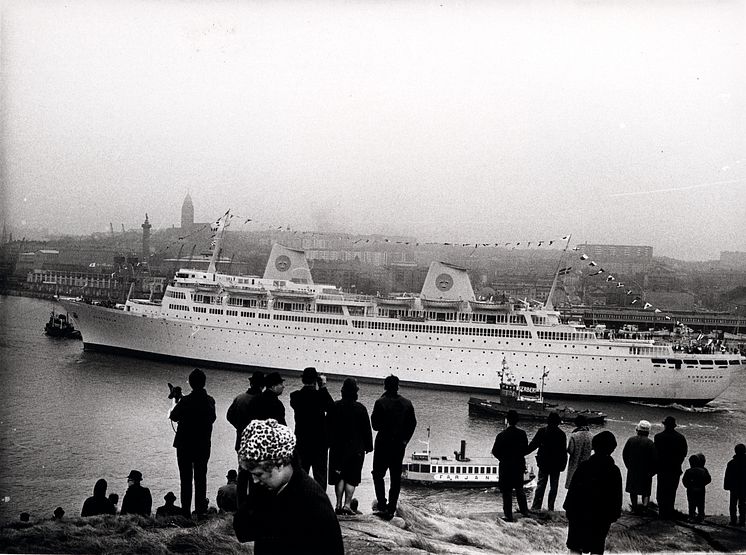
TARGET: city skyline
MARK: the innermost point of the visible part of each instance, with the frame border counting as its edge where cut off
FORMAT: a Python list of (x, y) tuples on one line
[(616, 123)]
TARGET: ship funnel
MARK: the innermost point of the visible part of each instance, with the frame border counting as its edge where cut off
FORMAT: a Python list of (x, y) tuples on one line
[(463, 450)]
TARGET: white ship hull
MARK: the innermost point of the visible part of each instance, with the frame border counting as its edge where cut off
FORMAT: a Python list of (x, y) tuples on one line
[(446, 358)]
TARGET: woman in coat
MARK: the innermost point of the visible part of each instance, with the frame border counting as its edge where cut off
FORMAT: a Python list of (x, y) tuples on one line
[(350, 438), (594, 499), (640, 459)]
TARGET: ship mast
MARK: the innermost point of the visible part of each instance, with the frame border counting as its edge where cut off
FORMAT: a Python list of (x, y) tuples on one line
[(217, 243), (549, 305)]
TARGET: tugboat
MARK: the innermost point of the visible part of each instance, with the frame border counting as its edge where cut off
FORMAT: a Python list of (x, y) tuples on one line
[(59, 326), (457, 471), (528, 401)]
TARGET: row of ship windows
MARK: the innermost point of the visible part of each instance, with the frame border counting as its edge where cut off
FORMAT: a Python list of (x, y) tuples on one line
[(454, 469)]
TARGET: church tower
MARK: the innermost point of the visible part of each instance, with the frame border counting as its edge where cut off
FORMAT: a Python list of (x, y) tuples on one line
[(146, 240), (187, 213)]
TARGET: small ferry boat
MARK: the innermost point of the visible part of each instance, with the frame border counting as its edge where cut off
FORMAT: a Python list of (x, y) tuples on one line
[(458, 471), (528, 401), (59, 326)]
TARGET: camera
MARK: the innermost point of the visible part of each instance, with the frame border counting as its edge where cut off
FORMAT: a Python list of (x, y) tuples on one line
[(175, 393)]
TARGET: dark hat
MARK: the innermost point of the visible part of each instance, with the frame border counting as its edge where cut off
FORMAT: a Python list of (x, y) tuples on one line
[(740, 449), (603, 443), (553, 418), (232, 474), (309, 375), (669, 422), (273, 378), (257, 378), (581, 420), (59, 512), (135, 475), (512, 417), (169, 496)]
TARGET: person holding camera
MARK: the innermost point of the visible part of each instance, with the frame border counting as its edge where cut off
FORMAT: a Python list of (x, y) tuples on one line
[(195, 414), (311, 403)]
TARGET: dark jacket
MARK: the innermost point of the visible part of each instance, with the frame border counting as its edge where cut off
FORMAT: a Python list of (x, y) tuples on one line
[(349, 427), (593, 502), (696, 478), (298, 519), (310, 406), (595, 492), (168, 510), (137, 501), (98, 504), (735, 474), (639, 456), (509, 448), (238, 412), (393, 418), (227, 497), (552, 444), (671, 449), (267, 405), (195, 414)]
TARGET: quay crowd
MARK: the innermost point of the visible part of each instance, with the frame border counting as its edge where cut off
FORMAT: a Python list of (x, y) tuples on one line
[(278, 506)]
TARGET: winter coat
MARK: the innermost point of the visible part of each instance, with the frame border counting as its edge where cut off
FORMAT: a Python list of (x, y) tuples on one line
[(671, 449), (195, 414), (509, 448), (639, 456), (297, 519), (349, 428), (310, 406), (98, 504), (735, 474), (238, 413), (696, 478), (267, 405), (137, 501), (552, 444), (393, 418), (593, 502), (578, 450)]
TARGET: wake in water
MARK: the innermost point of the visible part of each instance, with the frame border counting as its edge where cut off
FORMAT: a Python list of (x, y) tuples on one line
[(684, 408)]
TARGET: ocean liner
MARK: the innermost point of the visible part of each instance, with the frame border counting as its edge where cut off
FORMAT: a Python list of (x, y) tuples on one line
[(443, 337)]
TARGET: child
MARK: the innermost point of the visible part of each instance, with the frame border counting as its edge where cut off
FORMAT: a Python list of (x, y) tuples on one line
[(695, 479), (735, 482)]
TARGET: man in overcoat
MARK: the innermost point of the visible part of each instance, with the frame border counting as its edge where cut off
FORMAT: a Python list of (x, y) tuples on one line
[(671, 450), (509, 448), (394, 419), (195, 414), (551, 459), (311, 403)]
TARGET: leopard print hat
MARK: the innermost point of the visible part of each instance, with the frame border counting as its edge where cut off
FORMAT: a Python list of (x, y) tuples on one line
[(266, 441)]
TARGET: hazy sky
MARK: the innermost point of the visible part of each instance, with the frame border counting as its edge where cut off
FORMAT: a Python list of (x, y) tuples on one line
[(485, 121)]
